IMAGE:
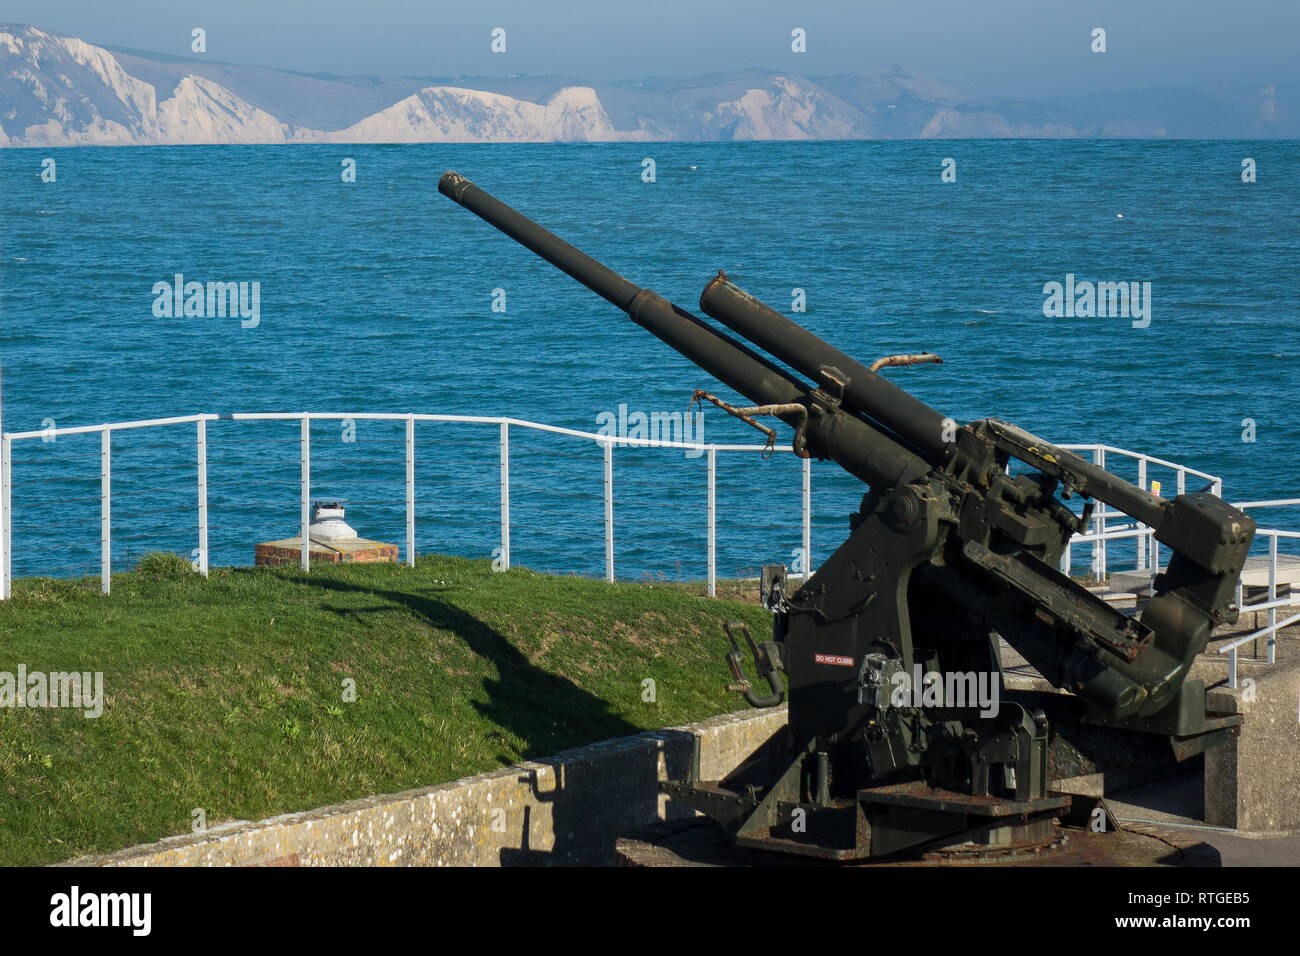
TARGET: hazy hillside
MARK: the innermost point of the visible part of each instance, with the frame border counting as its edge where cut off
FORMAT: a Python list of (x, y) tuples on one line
[(61, 91)]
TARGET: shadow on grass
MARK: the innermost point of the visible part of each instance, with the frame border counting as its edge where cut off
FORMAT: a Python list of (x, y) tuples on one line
[(549, 713), (546, 711)]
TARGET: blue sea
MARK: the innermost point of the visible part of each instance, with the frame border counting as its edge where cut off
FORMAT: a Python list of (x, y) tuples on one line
[(377, 296)]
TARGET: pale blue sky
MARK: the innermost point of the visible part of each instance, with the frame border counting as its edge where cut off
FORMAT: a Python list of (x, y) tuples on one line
[(1005, 48)]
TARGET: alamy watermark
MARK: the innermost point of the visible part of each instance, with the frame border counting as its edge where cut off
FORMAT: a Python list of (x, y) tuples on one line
[(198, 300), (71, 689), (924, 688), (654, 426), (127, 910), (1104, 300)]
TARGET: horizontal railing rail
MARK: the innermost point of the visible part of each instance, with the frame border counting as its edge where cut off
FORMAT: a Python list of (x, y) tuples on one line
[(607, 443)]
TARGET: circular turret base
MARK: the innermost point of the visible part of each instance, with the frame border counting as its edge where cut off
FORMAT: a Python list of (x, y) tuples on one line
[(702, 842)]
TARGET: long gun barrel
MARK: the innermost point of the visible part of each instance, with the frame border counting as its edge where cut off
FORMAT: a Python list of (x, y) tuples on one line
[(862, 450), (866, 391), (909, 418)]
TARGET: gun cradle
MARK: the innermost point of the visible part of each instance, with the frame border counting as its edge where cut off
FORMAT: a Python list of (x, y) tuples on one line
[(947, 554)]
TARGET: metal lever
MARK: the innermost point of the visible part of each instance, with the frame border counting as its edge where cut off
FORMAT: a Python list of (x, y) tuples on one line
[(897, 361), (767, 661), (746, 415)]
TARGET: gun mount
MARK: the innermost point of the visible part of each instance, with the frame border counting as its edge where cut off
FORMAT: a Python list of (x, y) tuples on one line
[(882, 649)]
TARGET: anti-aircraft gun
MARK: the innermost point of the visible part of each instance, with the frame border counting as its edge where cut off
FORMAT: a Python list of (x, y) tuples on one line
[(880, 650)]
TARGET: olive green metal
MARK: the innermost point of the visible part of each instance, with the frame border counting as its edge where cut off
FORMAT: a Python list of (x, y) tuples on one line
[(869, 392), (949, 554)]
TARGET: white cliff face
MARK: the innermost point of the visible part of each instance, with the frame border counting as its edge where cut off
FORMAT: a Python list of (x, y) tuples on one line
[(61, 91), (787, 109), (445, 114), (200, 111), (575, 112)]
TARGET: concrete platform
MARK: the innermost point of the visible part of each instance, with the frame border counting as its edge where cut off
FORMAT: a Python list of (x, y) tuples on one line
[(1129, 590), (697, 843), (1255, 573), (1128, 583), (1179, 803), (355, 550)]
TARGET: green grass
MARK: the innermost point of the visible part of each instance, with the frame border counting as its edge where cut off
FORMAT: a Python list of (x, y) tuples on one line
[(227, 695)]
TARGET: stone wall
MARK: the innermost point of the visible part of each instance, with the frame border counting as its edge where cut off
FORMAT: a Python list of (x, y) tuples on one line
[(1251, 782), (564, 810)]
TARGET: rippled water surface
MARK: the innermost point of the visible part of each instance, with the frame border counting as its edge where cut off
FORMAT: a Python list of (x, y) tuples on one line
[(377, 297)]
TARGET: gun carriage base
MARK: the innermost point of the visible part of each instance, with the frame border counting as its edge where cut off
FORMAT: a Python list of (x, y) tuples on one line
[(952, 551), (701, 842)]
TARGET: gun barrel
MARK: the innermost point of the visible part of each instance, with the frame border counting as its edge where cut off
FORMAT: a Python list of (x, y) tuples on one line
[(599, 278), (870, 393), (859, 448), (726, 359)]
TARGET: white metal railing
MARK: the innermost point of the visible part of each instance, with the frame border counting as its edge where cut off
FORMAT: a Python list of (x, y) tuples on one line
[(1101, 532), (5, 563), (1147, 548), (1142, 533), (607, 443), (1271, 602)]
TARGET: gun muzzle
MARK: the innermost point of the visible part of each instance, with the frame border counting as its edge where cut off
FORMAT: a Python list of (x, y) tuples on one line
[(857, 446)]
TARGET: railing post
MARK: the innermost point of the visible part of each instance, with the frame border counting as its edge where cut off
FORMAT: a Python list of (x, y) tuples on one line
[(1141, 540), (105, 510), (202, 436), (410, 491), (4, 502), (1232, 668), (306, 492), (1272, 598), (1099, 525), (609, 510), (713, 521), (1152, 544), (6, 533), (505, 497), (807, 518)]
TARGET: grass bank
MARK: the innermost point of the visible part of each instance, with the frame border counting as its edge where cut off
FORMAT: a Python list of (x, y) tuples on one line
[(230, 695)]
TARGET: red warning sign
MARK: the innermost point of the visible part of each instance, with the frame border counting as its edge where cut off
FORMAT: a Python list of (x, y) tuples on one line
[(833, 659)]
